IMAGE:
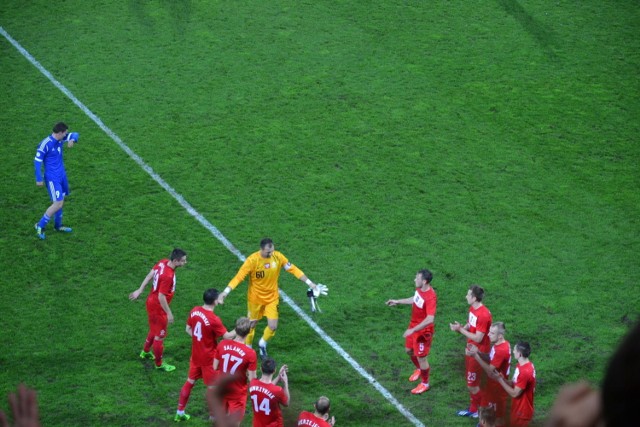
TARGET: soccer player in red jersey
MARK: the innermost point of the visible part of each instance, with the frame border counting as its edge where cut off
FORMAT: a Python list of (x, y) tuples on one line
[(475, 330), (419, 334), (266, 396), (497, 361), (319, 417), (158, 311), (205, 328), (235, 358), (523, 386)]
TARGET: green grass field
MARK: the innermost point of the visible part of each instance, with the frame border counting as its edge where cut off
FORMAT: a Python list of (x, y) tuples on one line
[(491, 142)]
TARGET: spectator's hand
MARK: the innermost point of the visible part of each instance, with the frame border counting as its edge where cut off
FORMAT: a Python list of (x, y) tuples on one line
[(24, 406), (577, 405)]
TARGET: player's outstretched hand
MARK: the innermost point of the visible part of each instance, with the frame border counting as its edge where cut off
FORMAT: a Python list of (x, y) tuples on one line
[(320, 289), (391, 302), (134, 295)]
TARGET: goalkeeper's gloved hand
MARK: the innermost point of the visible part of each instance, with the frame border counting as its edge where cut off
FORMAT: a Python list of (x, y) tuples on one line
[(320, 290)]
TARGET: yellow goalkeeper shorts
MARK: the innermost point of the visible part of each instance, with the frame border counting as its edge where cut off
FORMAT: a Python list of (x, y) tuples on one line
[(258, 311)]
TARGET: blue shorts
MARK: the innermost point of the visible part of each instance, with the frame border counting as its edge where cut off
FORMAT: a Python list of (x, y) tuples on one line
[(58, 188)]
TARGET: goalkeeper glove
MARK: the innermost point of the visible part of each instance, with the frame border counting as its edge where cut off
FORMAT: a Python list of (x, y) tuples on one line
[(320, 290)]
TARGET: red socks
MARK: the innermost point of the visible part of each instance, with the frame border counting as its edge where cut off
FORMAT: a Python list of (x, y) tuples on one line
[(184, 395), (475, 401), (158, 348), (148, 342), (424, 374)]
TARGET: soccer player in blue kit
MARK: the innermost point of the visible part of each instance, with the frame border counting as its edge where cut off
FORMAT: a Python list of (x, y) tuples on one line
[(49, 154)]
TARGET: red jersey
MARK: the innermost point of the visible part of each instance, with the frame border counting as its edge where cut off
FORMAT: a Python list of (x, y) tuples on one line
[(265, 400), (236, 359), (524, 378), (500, 357), (164, 282), (424, 304), (310, 420), (480, 321), (206, 328)]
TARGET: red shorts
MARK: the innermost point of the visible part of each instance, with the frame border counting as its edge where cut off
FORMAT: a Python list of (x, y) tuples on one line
[(474, 372), (420, 343), (235, 406), (158, 323), (495, 397), (520, 422), (206, 372)]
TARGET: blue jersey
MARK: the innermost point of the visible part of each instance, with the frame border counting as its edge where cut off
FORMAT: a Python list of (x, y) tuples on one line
[(49, 153)]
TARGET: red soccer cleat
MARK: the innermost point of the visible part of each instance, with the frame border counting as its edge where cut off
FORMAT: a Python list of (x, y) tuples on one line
[(421, 388), (415, 376)]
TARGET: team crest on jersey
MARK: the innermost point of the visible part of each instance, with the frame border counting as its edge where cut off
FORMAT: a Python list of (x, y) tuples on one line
[(267, 265)]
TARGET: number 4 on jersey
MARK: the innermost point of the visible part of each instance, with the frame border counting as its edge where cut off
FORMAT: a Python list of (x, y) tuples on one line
[(197, 331), (264, 405)]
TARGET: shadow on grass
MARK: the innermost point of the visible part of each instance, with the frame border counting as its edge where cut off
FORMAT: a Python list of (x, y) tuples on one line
[(543, 36)]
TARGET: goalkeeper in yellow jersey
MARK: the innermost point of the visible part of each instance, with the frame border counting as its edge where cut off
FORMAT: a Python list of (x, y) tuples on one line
[(263, 268)]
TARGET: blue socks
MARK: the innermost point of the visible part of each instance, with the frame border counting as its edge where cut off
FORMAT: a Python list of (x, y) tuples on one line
[(57, 219), (44, 221)]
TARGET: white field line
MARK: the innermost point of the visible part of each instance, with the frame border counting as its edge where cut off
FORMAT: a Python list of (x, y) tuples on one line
[(216, 233)]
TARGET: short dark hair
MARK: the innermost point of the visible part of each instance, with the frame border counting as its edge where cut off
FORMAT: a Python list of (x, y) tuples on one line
[(177, 254), (268, 366), (210, 296), (322, 405), (426, 275), (523, 348), (477, 292), (243, 326), (265, 242), (60, 127)]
